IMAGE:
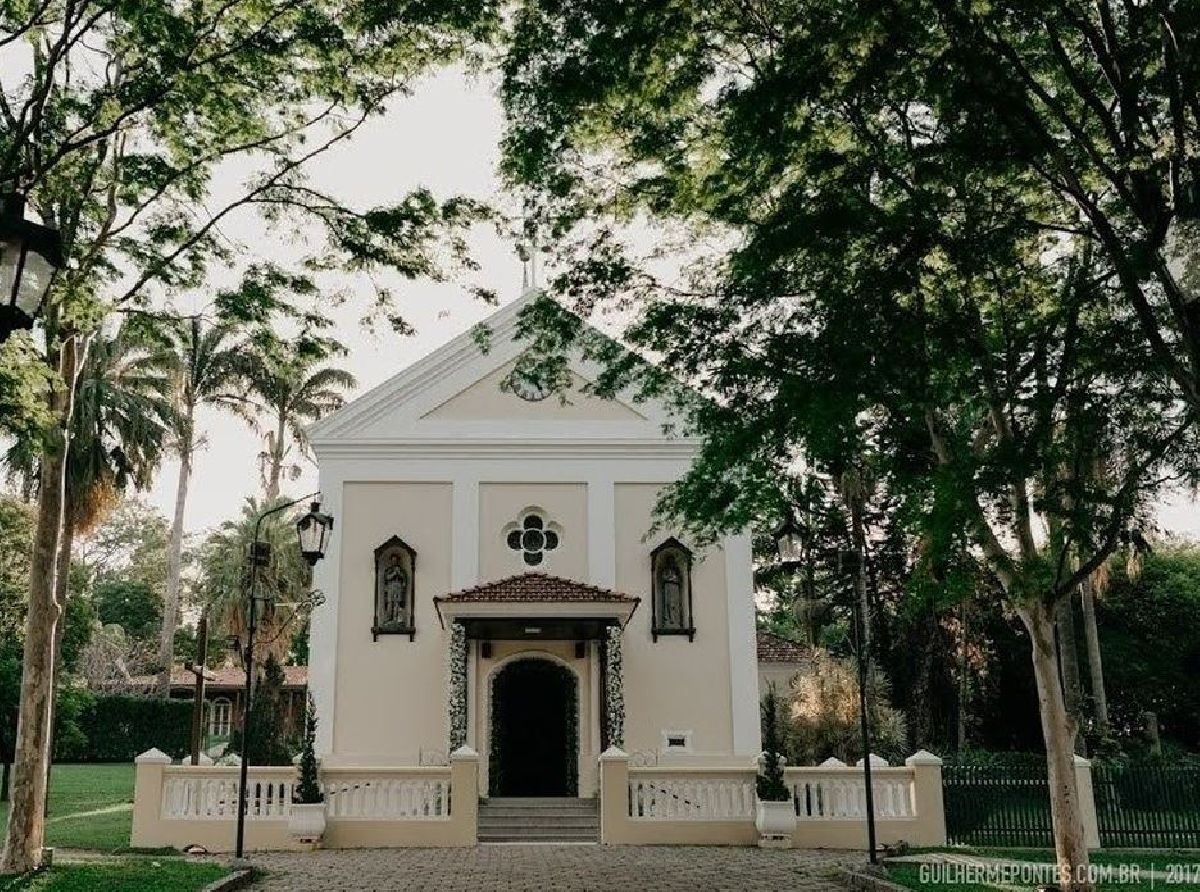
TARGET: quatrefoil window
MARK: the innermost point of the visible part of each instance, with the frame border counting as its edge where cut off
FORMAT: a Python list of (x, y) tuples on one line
[(533, 537)]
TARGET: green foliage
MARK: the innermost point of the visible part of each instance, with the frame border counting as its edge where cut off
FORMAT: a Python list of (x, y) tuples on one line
[(130, 604), (128, 545), (267, 720), (118, 727), (1151, 645), (16, 544), (769, 783), (223, 583), (823, 714), (308, 782)]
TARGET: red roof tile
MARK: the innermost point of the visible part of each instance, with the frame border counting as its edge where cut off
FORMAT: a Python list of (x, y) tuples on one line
[(526, 587), (774, 648), (224, 677)]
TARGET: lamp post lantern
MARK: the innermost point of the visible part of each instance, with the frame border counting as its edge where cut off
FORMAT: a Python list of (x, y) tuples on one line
[(29, 255), (313, 530), (790, 546)]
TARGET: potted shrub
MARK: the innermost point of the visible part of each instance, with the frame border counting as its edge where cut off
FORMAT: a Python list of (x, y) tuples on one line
[(306, 821), (775, 815)]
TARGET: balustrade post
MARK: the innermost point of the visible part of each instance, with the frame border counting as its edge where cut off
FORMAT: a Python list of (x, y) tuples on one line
[(930, 826), (464, 795), (1087, 802), (614, 796), (147, 798)]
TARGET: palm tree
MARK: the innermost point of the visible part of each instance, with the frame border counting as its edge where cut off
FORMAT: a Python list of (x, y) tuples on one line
[(210, 366), (122, 416), (292, 395), (224, 581)]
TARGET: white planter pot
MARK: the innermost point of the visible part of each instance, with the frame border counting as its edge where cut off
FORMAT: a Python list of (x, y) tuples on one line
[(775, 822), (306, 822)]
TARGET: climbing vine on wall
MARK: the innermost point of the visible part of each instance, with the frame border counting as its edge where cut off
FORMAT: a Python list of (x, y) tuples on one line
[(614, 693), (456, 699)]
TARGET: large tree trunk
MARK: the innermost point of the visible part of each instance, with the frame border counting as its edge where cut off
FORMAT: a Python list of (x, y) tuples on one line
[(1068, 659), (26, 818), (62, 586), (1059, 730), (1091, 637), (275, 446), (170, 615)]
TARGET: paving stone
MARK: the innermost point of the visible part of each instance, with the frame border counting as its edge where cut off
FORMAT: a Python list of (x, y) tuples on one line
[(571, 868)]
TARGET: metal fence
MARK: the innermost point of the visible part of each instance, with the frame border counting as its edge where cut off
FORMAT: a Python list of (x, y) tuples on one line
[(1147, 806), (1005, 806)]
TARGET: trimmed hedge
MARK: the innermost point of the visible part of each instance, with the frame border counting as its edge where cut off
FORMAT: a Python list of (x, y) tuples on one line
[(116, 727)]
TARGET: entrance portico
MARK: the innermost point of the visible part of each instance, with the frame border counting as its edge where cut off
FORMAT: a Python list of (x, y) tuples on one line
[(534, 643)]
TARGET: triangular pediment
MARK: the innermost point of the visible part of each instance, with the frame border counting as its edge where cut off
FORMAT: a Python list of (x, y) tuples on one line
[(464, 390), (497, 396)]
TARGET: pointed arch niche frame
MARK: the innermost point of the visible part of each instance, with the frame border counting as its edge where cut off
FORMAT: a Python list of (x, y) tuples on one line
[(385, 622)]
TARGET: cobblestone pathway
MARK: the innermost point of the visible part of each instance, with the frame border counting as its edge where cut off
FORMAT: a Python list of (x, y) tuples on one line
[(552, 867)]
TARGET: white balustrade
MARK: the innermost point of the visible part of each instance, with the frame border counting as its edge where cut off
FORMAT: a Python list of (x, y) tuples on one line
[(840, 793), (661, 794), (204, 793), (421, 794)]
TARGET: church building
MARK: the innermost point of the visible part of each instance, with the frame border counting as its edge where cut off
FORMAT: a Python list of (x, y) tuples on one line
[(495, 579)]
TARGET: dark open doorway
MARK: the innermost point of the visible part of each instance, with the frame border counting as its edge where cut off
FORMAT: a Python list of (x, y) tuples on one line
[(535, 728)]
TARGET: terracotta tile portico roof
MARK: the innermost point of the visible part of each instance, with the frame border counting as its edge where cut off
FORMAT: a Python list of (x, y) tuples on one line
[(534, 588), (774, 648)]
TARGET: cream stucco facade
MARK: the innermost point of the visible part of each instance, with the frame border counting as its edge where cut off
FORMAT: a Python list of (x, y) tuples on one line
[(445, 458)]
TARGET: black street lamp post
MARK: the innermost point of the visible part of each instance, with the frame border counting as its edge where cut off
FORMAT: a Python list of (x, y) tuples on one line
[(29, 255), (313, 529), (790, 544)]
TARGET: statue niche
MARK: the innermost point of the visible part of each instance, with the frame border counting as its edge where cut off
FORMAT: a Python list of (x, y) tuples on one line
[(395, 577)]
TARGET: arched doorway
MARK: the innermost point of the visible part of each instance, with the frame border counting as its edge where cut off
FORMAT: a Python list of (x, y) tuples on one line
[(535, 730)]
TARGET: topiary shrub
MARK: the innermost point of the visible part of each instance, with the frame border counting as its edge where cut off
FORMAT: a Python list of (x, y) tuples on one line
[(770, 784), (308, 784)]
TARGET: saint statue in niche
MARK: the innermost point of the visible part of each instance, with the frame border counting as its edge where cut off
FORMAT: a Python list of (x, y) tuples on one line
[(670, 583), (395, 591)]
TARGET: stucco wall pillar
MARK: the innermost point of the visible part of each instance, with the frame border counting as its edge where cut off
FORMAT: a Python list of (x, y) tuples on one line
[(464, 795), (1087, 802), (614, 796), (930, 826), (147, 798)]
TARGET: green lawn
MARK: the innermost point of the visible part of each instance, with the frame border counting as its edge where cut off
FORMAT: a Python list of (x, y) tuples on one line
[(142, 874), (91, 807)]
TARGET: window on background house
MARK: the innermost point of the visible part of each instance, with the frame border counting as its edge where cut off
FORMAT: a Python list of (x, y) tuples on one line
[(220, 717), (671, 584), (395, 589)]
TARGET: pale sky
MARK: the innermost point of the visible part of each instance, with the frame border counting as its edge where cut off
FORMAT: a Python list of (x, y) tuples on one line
[(444, 137)]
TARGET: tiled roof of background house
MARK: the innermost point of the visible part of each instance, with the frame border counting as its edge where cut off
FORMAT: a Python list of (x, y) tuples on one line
[(224, 677), (774, 648)]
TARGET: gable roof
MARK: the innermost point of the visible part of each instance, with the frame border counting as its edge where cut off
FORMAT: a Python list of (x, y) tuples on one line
[(402, 408), (774, 648), (535, 587)]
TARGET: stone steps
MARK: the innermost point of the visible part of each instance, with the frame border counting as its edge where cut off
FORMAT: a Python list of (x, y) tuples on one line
[(540, 820)]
